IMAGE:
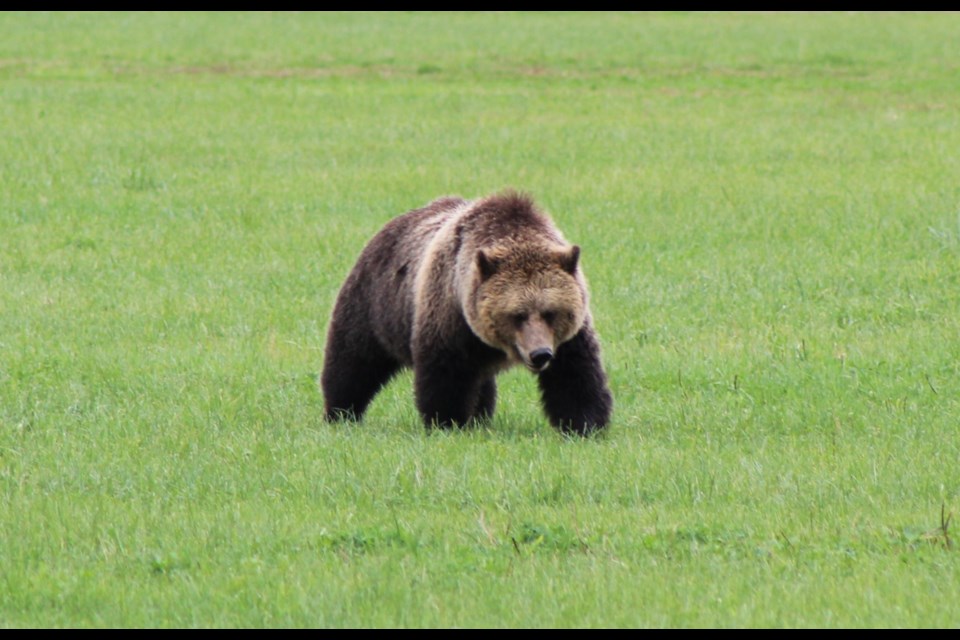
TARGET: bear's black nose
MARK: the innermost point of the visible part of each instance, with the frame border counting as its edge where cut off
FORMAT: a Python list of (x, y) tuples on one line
[(541, 357)]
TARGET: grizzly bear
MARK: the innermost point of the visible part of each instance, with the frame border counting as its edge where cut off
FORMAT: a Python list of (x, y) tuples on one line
[(460, 290)]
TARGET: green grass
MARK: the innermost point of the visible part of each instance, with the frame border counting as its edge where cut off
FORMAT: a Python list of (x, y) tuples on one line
[(769, 211)]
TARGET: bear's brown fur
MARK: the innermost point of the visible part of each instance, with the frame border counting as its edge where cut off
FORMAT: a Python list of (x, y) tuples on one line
[(460, 290)]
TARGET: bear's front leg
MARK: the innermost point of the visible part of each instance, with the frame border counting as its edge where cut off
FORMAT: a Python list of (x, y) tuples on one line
[(487, 399), (574, 387), (447, 392)]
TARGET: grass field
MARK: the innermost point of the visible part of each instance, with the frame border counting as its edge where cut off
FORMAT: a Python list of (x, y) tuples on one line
[(769, 211)]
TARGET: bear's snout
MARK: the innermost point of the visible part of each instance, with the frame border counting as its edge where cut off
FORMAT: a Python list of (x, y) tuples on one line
[(540, 358)]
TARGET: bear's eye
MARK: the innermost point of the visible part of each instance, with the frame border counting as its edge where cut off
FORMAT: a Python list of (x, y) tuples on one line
[(549, 316), (518, 318)]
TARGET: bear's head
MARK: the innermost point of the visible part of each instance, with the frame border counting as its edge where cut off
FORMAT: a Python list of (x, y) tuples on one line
[(527, 300)]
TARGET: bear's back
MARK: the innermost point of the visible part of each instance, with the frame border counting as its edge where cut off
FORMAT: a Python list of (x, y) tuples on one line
[(387, 270)]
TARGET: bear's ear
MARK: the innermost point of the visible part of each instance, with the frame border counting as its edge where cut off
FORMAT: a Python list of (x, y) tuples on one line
[(569, 259), (488, 264)]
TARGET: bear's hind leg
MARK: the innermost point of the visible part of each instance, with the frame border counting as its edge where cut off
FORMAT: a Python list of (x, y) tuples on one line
[(574, 387), (354, 370)]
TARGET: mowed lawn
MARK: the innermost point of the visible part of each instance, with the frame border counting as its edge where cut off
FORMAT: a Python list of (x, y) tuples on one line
[(768, 207)]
